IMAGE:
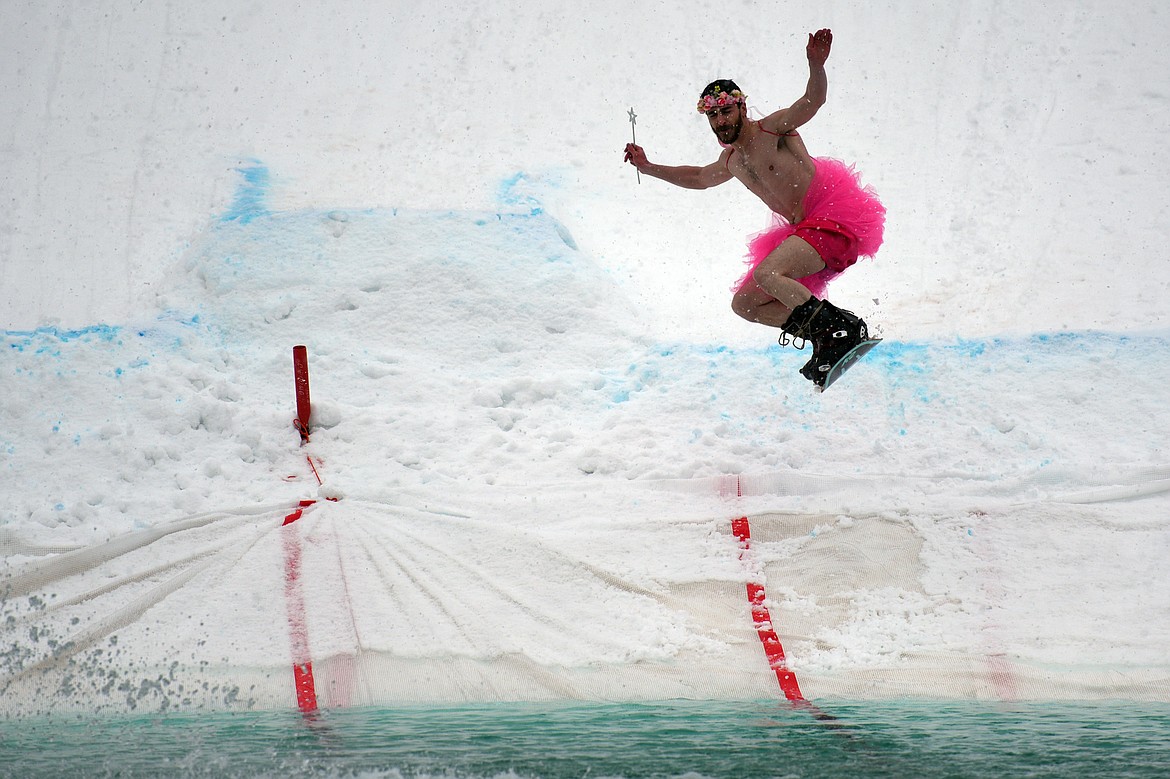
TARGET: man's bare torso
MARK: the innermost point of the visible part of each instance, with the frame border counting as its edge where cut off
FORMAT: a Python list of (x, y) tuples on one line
[(775, 168)]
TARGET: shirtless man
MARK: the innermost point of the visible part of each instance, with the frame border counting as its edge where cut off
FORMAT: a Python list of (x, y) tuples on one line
[(824, 218)]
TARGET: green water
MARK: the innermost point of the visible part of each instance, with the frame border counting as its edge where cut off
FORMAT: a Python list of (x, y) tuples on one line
[(690, 739)]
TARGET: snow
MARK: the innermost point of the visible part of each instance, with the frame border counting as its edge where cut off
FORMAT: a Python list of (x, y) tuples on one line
[(530, 394)]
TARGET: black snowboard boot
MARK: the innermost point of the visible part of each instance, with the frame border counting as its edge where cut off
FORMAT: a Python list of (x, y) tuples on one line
[(796, 329), (832, 331)]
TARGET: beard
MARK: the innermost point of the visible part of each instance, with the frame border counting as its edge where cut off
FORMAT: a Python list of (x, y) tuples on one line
[(729, 134)]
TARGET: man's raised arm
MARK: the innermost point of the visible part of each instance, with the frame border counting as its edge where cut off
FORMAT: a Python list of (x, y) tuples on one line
[(688, 176), (815, 93)]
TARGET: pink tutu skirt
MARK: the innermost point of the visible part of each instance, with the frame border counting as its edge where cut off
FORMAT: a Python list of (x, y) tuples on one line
[(835, 195)]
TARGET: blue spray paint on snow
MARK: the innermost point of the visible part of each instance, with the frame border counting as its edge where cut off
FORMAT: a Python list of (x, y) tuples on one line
[(515, 191), (48, 340), (50, 350), (251, 196), (103, 332), (913, 373)]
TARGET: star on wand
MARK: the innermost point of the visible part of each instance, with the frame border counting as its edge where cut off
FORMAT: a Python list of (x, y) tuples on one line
[(634, 137)]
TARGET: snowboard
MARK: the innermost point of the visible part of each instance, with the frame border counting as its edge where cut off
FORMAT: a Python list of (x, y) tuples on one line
[(846, 362)]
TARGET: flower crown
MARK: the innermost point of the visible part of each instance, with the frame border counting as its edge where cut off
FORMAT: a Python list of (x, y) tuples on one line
[(720, 98)]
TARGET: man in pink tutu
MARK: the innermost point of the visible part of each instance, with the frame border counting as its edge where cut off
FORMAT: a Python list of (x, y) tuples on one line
[(824, 219)]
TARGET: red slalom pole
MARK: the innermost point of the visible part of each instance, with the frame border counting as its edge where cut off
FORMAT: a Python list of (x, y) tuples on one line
[(303, 682), (301, 380), (298, 630), (762, 620)]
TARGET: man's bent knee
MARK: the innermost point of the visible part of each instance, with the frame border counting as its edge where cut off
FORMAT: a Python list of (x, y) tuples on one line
[(743, 307)]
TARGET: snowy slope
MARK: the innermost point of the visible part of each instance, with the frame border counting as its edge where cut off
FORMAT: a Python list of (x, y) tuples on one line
[(1017, 146)]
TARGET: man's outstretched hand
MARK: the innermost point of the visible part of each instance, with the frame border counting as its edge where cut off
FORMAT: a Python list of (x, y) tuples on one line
[(819, 43), (635, 155)]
